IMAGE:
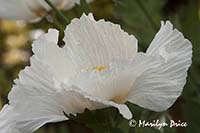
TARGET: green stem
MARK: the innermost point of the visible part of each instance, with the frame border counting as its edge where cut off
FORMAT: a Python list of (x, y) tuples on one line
[(60, 14), (85, 6), (148, 16), (1, 102)]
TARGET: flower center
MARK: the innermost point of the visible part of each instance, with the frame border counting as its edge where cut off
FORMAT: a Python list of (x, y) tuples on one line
[(99, 68), (120, 99)]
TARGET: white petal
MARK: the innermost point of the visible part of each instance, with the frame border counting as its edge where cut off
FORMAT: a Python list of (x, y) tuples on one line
[(158, 88), (78, 101), (36, 100), (46, 50), (33, 98), (7, 125), (115, 82), (33, 110), (28, 10), (106, 85), (92, 43)]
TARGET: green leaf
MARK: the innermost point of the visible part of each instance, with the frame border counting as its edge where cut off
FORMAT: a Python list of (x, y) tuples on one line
[(140, 113), (141, 18), (83, 7), (191, 112), (190, 26), (117, 130), (103, 120)]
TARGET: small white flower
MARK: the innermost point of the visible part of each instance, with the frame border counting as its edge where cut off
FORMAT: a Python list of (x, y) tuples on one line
[(99, 66), (31, 10)]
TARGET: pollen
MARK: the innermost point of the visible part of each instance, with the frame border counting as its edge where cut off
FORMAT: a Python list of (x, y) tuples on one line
[(121, 98), (99, 68)]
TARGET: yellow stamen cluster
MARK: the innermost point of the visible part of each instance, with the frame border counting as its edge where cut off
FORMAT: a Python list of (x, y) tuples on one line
[(99, 68)]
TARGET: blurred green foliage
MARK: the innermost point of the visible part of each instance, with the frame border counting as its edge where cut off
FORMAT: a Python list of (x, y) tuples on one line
[(141, 18)]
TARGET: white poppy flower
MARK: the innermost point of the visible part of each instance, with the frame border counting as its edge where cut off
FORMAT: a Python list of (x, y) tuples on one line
[(99, 66), (31, 10)]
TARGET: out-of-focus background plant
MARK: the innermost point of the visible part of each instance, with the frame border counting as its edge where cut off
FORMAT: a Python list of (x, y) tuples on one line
[(139, 17)]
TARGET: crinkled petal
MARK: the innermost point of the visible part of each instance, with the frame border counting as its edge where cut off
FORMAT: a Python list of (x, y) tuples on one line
[(41, 108), (7, 125), (34, 110), (91, 43), (33, 98), (157, 88), (45, 49), (114, 83), (80, 100)]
